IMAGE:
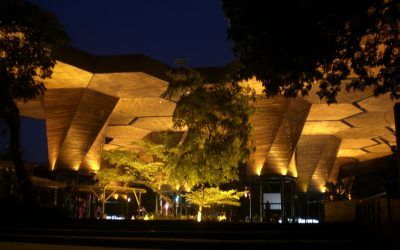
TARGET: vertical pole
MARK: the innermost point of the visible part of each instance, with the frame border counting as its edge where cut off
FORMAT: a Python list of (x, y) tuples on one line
[(397, 126), (250, 190), (103, 210), (156, 208), (56, 192), (181, 205), (140, 199), (250, 207), (77, 205), (319, 210), (89, 204), (261, 202), (283, 199), (389, 211), (307, 207), (161, 206), (55, 197), (123, 209), (127, 208), (293, 200)]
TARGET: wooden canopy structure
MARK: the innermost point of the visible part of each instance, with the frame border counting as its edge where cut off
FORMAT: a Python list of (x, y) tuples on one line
[(96, 103)]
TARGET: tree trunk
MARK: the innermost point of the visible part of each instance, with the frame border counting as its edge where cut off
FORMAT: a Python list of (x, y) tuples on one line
[(10, 114), (199, 213)]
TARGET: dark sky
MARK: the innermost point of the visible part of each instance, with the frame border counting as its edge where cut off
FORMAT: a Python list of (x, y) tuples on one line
[(162, 29)]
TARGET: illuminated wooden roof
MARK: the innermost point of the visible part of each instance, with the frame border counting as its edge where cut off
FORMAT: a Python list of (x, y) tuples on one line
[(358, 128), (315, 158), (91, 98)]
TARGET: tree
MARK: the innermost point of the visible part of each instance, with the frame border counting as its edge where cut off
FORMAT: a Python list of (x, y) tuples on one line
[(340, 190), (293, 45), (145, 166), (216, 116), (29, 40), (207, 197)]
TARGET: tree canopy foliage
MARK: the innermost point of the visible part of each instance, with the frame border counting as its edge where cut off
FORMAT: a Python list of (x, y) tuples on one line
[(208, 197), (213, 196), (340, 190), (293, 45), (216, 116), (29, 41), (145, 166)]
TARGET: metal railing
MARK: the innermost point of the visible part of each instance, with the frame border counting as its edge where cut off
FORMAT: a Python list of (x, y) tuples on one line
[(376, 211), (298, 212)]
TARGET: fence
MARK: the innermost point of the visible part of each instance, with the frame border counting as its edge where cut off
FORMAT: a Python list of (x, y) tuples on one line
[(378, 212), (298, 212)]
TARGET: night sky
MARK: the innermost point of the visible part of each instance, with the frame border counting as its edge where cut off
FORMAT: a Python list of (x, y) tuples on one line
[(164, 30)]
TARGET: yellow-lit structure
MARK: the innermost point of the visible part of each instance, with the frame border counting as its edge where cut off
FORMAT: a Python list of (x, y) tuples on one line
[(96, 103), (307, 139), (91, 98)]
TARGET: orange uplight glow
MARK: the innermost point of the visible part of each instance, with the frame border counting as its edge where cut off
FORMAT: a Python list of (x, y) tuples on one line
[(53, 164), (93, 165), (258, 170), (303, 187)]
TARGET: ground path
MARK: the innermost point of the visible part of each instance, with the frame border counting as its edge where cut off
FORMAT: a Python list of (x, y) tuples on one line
[(92, 234)]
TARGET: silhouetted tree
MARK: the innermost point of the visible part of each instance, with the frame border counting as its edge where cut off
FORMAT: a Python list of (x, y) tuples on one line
[(293, 45), (29, 40), (340, 190)]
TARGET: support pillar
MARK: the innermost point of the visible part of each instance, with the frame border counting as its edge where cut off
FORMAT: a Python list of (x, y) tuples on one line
[(156, 207), (89, 206), (55, 197), (261, 202), (397, 125), (103, 210), (283, 205), (250, 208), (293, 187)]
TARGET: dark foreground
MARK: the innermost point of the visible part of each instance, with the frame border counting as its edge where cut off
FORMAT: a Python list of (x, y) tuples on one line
[(40, 246), (188, 235)]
